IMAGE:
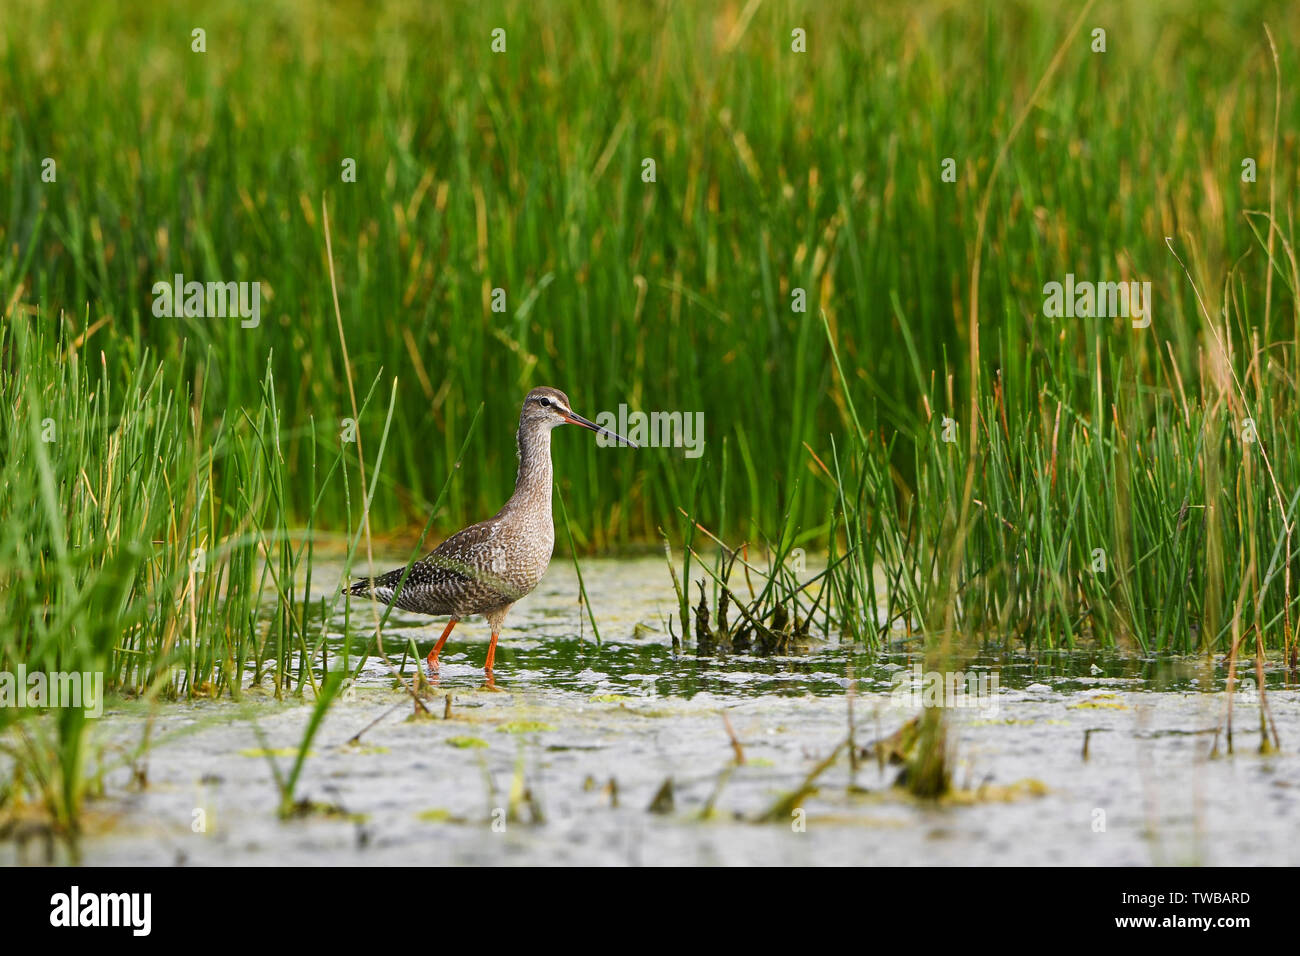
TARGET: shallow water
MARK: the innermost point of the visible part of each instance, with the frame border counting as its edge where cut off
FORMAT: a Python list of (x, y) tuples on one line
[(593, 732)]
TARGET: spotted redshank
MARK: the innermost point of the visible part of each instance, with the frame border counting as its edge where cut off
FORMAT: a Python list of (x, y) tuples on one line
[(487, 567)]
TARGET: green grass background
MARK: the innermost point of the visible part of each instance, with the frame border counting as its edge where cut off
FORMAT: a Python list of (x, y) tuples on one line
[(522, 171)]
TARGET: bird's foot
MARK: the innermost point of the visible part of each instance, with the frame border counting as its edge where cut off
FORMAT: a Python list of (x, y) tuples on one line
[(490, 683)]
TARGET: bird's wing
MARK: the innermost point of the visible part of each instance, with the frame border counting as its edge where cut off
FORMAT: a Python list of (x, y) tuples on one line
[(464, 568), (474, 555)]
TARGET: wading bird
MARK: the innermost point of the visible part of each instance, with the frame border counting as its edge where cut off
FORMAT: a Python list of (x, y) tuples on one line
[(487, 567)]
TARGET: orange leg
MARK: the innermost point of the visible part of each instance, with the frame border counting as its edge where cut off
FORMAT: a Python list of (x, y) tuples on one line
[(494, 619), (437, 648)]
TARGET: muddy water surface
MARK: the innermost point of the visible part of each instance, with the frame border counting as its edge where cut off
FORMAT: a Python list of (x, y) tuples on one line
[(564, 763)]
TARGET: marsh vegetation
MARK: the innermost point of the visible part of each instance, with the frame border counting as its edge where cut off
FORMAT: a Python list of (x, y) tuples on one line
[(843, 262)]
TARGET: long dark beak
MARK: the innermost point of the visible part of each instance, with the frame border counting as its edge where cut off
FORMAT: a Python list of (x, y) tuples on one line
[(579, 420)]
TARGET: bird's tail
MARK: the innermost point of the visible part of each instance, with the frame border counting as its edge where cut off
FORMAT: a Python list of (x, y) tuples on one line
[(382, 590)]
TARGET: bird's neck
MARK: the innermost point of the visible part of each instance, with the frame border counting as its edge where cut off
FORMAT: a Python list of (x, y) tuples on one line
[(533, 484)]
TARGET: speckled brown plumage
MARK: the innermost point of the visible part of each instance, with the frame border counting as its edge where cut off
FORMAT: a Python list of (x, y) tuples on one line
[(487, 567)]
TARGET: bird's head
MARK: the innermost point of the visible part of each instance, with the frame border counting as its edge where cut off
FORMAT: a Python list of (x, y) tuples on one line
[(548, 407)]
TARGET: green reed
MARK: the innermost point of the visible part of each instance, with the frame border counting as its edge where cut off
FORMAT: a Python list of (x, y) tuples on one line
[(522, 171)]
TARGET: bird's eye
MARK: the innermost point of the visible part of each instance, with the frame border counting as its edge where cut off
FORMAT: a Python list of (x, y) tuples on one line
[(545, 401)]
